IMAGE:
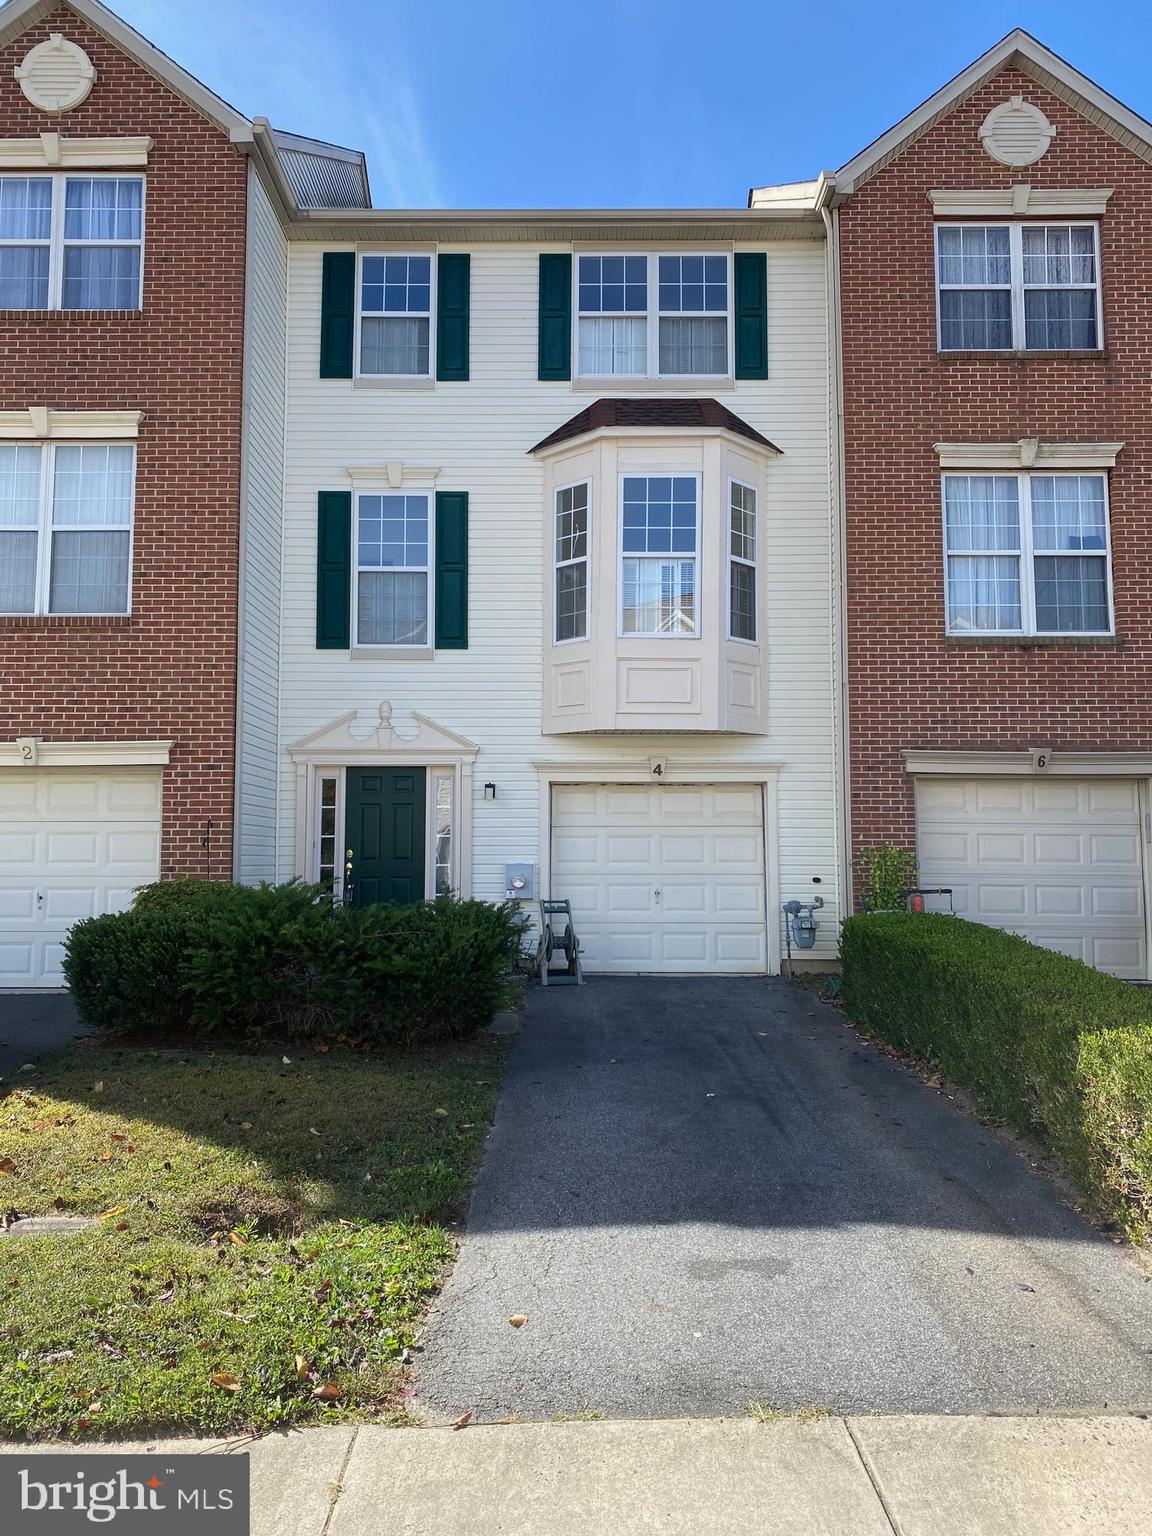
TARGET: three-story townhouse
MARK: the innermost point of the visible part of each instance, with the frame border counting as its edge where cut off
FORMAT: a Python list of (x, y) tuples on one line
[(993, 267), (557, 576), (142, 274)]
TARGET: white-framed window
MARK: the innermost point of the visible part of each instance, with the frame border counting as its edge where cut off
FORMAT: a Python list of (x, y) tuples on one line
[(394, 315), (66, 528), (71, 242), (1018, 287), (1027, 554), (659, 535), (741, 561), (653, 315), (571, 590), (393, 596), (443, 829)]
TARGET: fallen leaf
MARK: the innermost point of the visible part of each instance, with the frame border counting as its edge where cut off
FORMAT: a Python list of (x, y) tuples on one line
[(441, 1114), (206, 1344), (513, 1418), (287, 1060), (463, 1421), (238, 1239), (94, 1408), (59, 1204), (1020, 1286), (329, 1392), (245, 1125), (225, 1382), (118, 1138), (7, 1165), (301, 1367), (518, 1320), (121, 1226), (98, 1087), (115, 1210), (105, 1157)]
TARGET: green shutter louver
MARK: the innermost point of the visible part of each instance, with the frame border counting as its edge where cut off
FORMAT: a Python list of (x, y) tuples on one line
[(452, 570), (751, 285), (453, 274), (337, 314), (554, 359), (333, 570)]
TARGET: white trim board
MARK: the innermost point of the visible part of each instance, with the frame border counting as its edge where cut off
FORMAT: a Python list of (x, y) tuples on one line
[(1018, 199), (40, 423), (1078, 765), (32, 752), (1028, 453), (57, 151)]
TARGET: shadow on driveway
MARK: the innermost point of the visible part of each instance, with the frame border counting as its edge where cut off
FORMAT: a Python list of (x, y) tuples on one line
[(707, 1191), (34, 1022)]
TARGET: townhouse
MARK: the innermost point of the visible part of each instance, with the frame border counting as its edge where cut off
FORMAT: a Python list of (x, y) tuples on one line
[(134, 262), (556, 572), (992, 256), (660, 560)]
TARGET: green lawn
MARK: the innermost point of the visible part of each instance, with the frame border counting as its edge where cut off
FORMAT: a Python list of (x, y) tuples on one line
[(271, 1232)]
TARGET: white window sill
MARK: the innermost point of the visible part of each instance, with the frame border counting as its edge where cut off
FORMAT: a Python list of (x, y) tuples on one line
[(611, 384), (389, 653), (393, 382)]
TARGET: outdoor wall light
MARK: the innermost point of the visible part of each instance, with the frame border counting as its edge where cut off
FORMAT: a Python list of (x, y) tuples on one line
[(489, 791)]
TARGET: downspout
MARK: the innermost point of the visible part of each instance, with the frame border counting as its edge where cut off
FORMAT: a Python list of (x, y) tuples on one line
[(831, 217)]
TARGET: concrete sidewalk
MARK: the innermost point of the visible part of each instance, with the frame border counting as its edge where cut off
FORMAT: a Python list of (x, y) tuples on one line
[(899, 1476)]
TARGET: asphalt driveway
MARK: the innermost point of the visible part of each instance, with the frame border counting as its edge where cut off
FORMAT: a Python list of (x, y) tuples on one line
[(34, 1022), (707, 1192)]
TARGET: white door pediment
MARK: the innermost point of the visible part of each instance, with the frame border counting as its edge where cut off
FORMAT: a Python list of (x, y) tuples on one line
[(373, 733)]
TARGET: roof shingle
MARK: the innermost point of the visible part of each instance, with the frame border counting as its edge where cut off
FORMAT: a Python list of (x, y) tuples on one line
[(658, 412)]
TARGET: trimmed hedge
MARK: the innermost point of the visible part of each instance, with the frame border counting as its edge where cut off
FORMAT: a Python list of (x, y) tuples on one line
[(280, 962), (1046, 1043)]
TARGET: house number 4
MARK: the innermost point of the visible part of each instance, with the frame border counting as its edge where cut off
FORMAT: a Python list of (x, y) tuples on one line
[(657, 765)]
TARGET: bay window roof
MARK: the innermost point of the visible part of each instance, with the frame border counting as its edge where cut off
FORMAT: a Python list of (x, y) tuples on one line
[(659, 413)]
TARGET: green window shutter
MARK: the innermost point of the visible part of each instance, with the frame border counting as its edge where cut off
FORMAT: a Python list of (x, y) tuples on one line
[(452, 285), (555, 353), (751, 283), (337, 314), (333, 570), (452, 570)]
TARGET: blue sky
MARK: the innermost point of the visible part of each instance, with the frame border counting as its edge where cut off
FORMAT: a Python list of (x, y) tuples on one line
[(636, 103)]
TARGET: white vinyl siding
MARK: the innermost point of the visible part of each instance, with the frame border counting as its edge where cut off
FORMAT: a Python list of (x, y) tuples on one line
[(491, 693), (258, 677), (71, 242), (1022, 287)]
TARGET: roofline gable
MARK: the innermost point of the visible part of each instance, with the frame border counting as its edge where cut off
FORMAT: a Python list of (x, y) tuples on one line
[(18, 15), (1046, 67)]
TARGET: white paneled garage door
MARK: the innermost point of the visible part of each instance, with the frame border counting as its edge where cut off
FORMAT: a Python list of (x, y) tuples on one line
[(663, 877), (1059, 861), (73, 843)]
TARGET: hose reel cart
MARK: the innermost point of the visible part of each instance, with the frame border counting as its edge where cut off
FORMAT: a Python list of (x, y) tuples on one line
[(558, 935)]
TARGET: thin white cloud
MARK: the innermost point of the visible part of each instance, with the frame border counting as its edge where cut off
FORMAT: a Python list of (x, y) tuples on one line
[(309, 78)]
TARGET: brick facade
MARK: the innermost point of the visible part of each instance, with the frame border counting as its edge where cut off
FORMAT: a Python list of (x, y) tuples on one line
[(168, 671), (910, 686)]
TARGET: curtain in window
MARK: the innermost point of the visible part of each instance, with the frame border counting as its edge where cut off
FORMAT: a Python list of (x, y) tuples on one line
[(659, 597), (982, 517), (89, 573), (394, 344), (693, 345), (392, 608), (19, 516), (984, 592), (443, 850), (24, 277), (613, 345), (1071, 590), (101, 276)]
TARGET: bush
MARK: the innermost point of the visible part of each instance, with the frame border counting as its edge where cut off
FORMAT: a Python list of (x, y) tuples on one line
[(883, 874), (280, 962), (1046, 1043)]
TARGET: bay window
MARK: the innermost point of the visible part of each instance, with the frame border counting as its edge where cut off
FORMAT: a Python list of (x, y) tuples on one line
[(1027, 554), (395, 316), (659, 533), (1023, 287), (648, 316), (392, 598), (571, 591), (71, 242), (66, 528)]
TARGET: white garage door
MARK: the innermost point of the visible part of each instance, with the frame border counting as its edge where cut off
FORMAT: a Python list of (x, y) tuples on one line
[(663, 878), (73, 843), (1059, 861)]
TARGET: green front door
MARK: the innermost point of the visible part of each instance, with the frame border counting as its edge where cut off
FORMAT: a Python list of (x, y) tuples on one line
[(384, 826)]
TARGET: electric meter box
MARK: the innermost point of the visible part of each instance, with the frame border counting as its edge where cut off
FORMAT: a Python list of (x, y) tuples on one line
[(520, 882)]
